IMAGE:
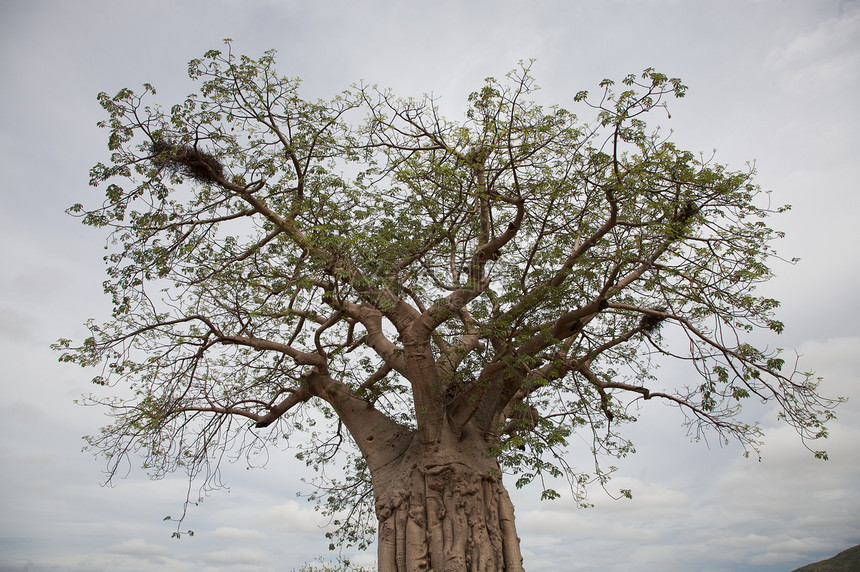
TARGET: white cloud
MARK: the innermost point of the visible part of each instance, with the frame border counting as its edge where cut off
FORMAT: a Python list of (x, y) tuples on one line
[(650, 500), (364, 559), (291, 517), (138, 547), (237, 533), (824, 57), (243, 556), (15, 325)]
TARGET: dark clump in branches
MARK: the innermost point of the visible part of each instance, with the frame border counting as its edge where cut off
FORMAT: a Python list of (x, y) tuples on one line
[(651, 322), (187, 160), (686, 214)]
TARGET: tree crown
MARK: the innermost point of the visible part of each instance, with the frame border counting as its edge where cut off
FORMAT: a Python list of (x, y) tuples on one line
[(516, 273)]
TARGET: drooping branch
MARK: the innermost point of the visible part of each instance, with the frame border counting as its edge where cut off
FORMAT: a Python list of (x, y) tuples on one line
[(304, 358), (296, 397)]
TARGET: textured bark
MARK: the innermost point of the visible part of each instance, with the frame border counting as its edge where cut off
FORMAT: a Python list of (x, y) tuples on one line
[(443, 508)]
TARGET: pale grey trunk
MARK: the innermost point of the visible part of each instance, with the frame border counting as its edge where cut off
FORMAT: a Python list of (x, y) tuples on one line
[(443, 508)]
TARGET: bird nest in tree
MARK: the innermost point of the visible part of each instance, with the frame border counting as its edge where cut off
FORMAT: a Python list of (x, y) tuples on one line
[(187, 160), (650, 322)]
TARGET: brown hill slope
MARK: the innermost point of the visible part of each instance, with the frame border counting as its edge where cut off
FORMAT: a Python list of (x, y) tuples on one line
[(847, 561)]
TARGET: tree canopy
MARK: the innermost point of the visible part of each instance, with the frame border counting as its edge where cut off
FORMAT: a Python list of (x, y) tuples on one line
[(363, 272)]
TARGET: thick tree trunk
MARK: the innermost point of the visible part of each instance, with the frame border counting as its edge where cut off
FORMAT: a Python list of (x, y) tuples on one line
[(443, 508)]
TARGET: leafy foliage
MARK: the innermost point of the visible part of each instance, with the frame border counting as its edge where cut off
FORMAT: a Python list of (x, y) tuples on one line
[(340, 566)]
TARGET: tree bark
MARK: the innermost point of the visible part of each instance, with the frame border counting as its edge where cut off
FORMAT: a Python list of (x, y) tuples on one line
[(442, 507)]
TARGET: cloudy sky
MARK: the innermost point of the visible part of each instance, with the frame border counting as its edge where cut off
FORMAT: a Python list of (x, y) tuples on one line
[(769, 80)]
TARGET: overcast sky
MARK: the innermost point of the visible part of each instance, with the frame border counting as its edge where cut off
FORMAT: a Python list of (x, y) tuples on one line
[(769, 80)]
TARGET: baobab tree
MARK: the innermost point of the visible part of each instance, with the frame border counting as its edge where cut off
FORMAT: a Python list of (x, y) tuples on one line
[(442, 301)]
